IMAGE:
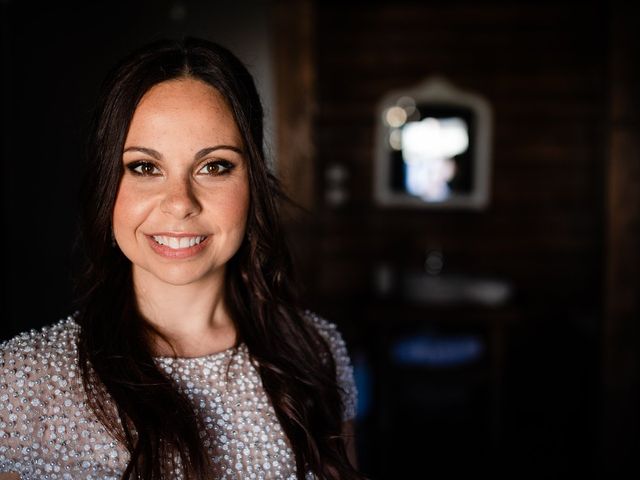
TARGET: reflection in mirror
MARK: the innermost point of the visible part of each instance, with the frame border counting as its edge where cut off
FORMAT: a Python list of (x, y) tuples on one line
[(433, 148)]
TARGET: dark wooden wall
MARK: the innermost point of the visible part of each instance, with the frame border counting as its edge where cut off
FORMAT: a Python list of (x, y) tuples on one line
[(543, 67), (621, 339)]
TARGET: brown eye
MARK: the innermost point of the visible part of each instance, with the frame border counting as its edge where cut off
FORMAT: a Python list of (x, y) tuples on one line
[(219, 167), (143, 168), (147, 169)]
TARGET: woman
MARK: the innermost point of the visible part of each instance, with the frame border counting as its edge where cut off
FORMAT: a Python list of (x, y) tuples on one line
[(188, 356)]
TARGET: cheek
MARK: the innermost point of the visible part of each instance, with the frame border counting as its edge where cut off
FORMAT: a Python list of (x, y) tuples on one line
[(240, 210), (234, 209), (233, 220), (129, 210), (242, 207)]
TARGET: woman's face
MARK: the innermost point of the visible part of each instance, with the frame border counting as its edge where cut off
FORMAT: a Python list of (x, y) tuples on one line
[(181, 208)]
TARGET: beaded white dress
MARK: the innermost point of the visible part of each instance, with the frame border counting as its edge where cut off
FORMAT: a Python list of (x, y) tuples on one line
[(47, 430)]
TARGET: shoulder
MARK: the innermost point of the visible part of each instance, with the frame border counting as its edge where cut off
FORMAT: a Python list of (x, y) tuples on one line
[(344, 367), (37, 369), (53, 341), (31, 361), (328, 330)]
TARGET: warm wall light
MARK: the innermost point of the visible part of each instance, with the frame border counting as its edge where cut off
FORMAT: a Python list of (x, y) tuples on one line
[(433, 148)]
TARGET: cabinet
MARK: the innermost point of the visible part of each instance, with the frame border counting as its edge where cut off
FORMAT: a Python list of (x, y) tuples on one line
[(437, 378)]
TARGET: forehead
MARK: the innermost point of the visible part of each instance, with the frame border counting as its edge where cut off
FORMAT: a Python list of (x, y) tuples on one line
[(183, 105), (178, 91)]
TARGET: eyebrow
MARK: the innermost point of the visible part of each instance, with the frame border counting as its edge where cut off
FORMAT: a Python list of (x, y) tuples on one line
[(201, 153)]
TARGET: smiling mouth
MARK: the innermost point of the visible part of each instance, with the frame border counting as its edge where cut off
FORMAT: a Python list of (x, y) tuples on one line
[(175, 243)]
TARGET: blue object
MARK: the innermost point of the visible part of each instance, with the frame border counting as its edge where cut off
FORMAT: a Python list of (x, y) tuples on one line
[(434, 350), (362, 375)]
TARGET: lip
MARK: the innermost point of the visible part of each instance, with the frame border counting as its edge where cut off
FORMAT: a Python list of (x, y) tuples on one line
[(181, 253)]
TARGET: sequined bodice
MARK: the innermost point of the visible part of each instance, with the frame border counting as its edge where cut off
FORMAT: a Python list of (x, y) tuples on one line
[(47, 430)]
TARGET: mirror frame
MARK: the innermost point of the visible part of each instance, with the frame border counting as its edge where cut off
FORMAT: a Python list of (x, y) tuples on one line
[(438, 91)]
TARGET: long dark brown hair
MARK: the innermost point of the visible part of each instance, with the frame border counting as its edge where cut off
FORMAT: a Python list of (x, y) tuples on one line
[(134, 400)]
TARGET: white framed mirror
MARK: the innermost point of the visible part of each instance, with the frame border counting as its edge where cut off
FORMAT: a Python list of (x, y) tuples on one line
[(433, 148)]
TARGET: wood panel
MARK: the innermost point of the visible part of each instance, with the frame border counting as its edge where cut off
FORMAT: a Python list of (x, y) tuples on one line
[(621, 343), (542, 65), (295, 84)]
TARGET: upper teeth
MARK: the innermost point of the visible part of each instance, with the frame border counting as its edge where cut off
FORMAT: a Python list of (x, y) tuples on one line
[(175, 243)]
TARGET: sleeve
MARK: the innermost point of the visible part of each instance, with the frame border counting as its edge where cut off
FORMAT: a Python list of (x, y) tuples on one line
[(35, 374), (15, 424), (344, 367)]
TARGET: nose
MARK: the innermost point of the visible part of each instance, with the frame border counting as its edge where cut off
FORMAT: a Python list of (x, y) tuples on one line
[(180, 200)]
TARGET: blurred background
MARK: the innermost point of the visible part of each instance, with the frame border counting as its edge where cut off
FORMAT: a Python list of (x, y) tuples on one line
[(500, 337)]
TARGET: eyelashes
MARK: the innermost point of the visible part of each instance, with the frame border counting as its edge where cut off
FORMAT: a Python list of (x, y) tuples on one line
[(214, 168), (143, 169), (217, 167)]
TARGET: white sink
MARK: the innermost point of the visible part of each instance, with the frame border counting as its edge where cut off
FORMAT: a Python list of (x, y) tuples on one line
[(446, 289)]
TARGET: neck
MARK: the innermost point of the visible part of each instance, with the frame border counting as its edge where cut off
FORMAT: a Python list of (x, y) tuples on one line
[(193, 318)]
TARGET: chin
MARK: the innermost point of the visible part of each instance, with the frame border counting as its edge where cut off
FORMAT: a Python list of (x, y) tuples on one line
[(180, 278), (177, 275)]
